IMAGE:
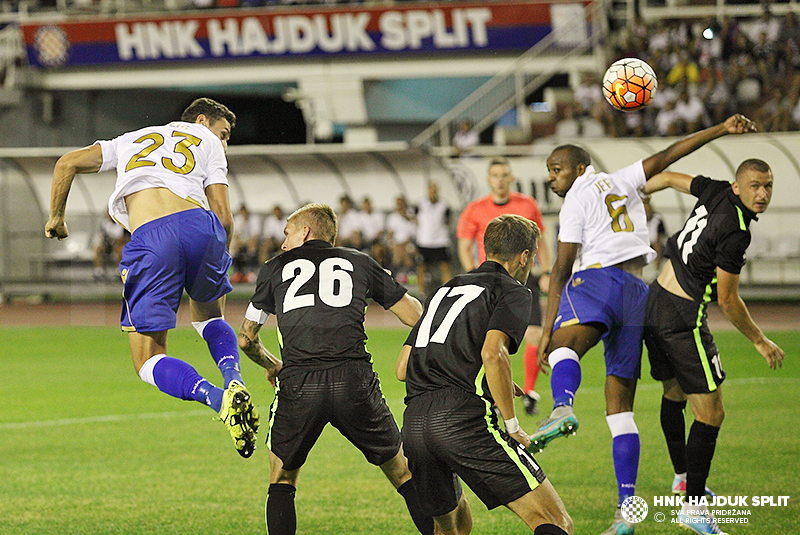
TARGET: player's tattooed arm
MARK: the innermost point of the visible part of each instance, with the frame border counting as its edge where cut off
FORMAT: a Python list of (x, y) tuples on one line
[(250, 344)]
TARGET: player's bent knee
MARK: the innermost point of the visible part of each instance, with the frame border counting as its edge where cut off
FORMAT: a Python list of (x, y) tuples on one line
[(541, 506), (200, 326), (622, 423), (456, 522), (396, 469)]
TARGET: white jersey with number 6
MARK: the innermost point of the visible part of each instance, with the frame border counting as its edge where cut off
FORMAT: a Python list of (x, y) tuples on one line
[(604, 213), (182, 157)]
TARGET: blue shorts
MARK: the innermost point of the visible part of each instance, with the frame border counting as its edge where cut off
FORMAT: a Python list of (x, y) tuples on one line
[(616, 299), (186, 250)]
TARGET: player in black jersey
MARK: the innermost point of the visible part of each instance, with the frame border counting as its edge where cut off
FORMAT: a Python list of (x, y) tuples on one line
[(319, 294), (704, 260), (456, 365)]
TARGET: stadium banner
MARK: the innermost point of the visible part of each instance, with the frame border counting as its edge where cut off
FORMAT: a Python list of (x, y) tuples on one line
[(300, 32)]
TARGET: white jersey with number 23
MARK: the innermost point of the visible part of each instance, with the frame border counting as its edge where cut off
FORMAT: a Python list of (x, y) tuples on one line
[(182, 157)]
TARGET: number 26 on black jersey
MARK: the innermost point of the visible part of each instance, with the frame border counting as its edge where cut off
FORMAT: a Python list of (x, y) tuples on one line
[(335, 283)]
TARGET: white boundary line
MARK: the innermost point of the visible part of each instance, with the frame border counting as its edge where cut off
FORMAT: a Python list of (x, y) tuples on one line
[(102, 419)]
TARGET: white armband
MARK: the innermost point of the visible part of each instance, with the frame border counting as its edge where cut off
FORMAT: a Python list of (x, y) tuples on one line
[(512, 425), (254, 314)]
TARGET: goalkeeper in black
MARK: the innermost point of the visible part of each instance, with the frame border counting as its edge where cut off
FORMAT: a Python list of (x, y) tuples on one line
[(456, 366)]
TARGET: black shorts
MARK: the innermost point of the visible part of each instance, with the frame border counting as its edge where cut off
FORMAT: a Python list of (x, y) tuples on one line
[(679, 344), (348, 397), (536, 306), (434, 255), (449, 433)]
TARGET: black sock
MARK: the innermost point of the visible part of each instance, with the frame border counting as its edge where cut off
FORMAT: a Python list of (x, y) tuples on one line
[(423, 522), (699, 452), (281, 516), (548, 529), (674, 428)]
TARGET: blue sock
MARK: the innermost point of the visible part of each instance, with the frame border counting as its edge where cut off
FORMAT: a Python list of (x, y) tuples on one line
[(178, 379), (626, 464), (566, 376), (625, 451), (221, 340)]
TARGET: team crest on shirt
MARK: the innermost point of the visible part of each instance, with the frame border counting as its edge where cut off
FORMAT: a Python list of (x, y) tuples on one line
[(124, 275)]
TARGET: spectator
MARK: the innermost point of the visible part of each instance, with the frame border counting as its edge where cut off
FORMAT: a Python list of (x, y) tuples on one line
[(108, 251), (668, 121), (790, 30), (691, 112), (766, 25), (715, 93), (433, 239), (272, 234), (244, 247), (349, 224), (372, 231), (685, 70), (465, 139), (569, 126), (400, 231), (588, 95)]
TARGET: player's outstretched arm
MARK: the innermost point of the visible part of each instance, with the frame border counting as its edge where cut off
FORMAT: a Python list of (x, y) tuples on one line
[(408, 310), (562, 270), (668, 179), (250, 344), (736, 312), (85, 160), (736, 124), (497, 364)]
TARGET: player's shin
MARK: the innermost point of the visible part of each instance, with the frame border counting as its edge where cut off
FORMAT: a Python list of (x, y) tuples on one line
[(423, 521), (700, 448), (566, 375), (281, 516), (178, 379), (223, 345), (674, 427), (625, 450)]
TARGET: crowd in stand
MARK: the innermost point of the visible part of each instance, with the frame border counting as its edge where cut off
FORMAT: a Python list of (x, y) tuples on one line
[(706, 71), (394, 239)]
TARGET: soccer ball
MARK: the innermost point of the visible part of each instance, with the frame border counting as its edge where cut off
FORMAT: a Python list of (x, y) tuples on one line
[(629, 84)]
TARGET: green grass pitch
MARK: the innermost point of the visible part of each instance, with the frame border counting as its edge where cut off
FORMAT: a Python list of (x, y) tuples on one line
[(88, 448)]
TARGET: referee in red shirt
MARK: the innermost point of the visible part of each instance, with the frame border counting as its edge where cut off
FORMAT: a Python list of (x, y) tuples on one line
[(471, 228)]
